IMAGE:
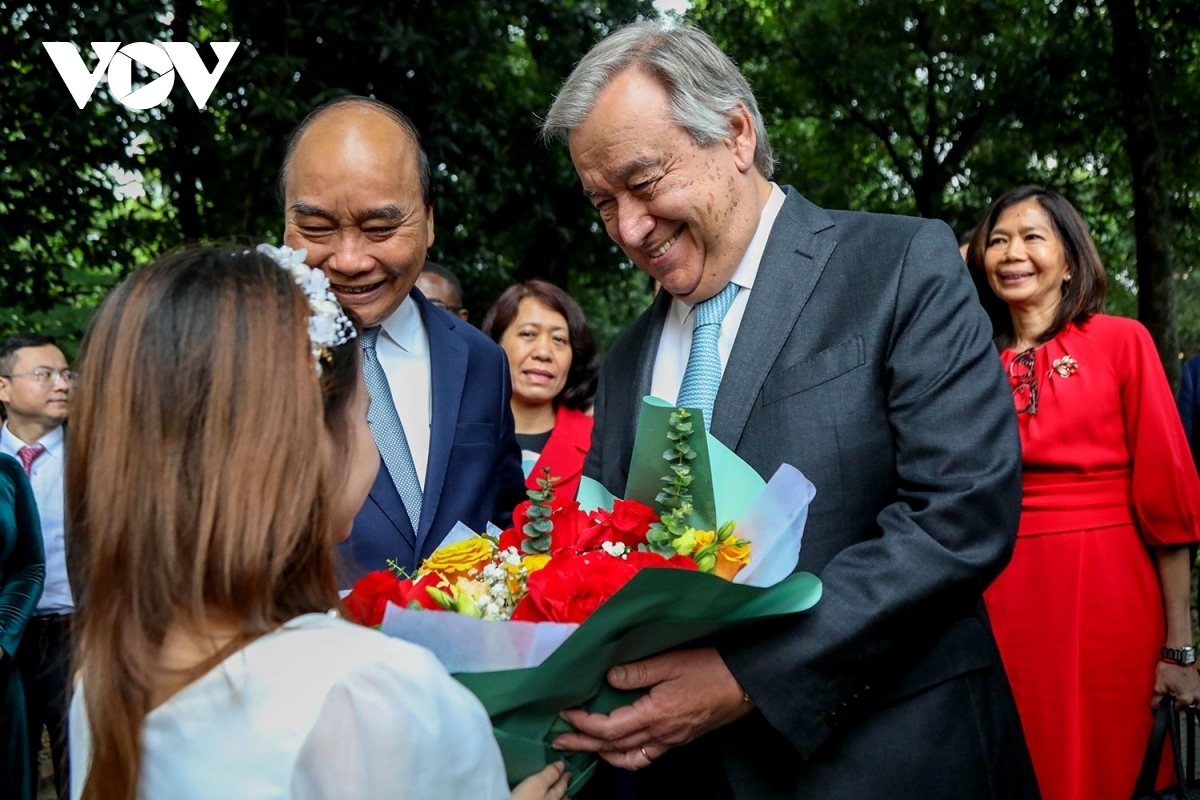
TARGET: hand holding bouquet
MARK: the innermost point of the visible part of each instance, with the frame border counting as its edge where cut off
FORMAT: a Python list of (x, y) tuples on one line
[(544, 609)]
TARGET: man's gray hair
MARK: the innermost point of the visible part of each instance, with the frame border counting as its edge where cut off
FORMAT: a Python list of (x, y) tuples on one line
[(703, 84)]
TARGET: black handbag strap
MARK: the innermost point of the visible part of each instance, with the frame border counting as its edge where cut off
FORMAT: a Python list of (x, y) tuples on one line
[(1189, 714), (1165, 720)]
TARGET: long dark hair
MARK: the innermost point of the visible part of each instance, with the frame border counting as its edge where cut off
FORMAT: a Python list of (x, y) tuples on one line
[(1082, 295), (197, 485), (584, 374)]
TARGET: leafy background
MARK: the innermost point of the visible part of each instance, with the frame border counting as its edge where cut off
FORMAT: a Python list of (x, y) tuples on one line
[(903, 106)]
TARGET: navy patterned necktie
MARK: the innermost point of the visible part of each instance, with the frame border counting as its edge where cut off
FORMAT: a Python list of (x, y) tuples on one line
[(702, 377), (389, 431)]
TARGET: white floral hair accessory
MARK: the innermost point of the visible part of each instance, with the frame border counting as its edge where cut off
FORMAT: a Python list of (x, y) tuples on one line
[(328, 326)]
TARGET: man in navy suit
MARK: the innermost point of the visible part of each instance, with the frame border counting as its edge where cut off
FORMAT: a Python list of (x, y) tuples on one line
[(355, 189)]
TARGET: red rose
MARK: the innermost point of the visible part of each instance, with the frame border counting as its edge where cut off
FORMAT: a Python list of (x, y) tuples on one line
[(367, 600), (633, 518), (416, 591), (627, 523), (511, 538), (570, 527), (571, 587)]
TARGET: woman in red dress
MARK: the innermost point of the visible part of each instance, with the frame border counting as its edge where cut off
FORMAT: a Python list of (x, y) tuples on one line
[(554, 369), (1092, 616)]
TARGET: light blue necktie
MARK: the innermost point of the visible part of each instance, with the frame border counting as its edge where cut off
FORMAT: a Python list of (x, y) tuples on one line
[(389, 431), (702, 377)]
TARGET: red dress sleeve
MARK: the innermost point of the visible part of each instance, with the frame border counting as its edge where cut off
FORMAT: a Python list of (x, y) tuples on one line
[(1166, 491)]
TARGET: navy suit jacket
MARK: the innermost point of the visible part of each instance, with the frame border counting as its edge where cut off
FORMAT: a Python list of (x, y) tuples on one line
[(1189, 405), (474, 469)]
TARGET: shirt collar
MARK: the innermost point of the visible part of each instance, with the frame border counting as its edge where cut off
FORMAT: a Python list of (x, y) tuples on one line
[(52, 441), (747, 270), (404, 326)]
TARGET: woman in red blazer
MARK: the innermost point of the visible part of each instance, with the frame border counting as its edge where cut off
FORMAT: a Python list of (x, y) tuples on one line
[(554, 367)]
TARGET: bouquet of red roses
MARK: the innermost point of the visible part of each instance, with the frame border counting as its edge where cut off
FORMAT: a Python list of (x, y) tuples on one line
[(588, 557), (573, 588)]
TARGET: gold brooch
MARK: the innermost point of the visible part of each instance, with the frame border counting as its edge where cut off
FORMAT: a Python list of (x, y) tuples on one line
[(1065, 367)]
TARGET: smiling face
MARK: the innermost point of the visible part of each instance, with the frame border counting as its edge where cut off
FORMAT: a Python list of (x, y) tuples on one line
[(1024, 260), (538, 345), (353, 200), (683, 213), (33, 405)]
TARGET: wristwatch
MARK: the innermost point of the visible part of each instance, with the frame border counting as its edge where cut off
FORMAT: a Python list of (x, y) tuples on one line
[(1184, 656)]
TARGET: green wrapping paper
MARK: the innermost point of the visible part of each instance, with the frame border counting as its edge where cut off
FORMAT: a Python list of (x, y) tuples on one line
[(659, 609), (505, 664)]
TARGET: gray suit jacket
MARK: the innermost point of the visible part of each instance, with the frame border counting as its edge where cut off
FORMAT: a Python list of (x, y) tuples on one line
[(865, 360)]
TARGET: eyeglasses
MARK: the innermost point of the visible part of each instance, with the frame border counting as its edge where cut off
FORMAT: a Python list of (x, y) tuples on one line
[(444, 307), (1026, 390), (44, 377)]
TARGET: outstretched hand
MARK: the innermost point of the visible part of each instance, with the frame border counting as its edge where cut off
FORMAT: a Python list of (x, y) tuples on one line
[(691, 693)]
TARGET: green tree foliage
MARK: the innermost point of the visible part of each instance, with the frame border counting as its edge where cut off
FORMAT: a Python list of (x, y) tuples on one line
[(474, 77), (912, 106), (934, 107)]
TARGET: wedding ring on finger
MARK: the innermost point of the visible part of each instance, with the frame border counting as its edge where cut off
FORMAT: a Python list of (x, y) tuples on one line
[(646, 755)]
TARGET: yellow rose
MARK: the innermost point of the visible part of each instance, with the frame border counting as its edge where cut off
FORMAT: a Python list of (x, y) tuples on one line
[(534, 562), (731, 558), (517, 573), (458, 560)]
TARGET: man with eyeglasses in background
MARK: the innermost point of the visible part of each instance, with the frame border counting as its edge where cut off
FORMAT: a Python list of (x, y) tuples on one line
[(442, 288), (35, 386)]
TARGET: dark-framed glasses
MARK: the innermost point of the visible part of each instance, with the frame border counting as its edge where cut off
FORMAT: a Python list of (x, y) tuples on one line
[(1025, 392), (47, 377), (444, 307)]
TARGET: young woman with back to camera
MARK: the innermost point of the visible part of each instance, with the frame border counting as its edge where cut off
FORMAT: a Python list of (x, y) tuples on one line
[(218, 451)]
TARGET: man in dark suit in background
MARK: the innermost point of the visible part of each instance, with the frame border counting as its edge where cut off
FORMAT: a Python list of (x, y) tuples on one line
[(442, 288), (355, 188), (851, 346)]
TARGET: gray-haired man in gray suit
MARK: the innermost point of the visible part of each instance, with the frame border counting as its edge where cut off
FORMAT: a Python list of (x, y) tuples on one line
[(851, 346)]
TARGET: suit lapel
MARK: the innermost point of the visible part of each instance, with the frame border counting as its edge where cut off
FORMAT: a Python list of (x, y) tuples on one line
[(656, 317), (627, 377), (384, 495), (791, 265), (448, 359)]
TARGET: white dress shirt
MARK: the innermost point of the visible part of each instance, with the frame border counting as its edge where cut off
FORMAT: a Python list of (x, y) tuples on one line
[(676, 343), (403, 352), (46, 477)]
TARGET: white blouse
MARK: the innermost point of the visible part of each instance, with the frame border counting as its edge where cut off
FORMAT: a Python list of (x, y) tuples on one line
[(319, 709)]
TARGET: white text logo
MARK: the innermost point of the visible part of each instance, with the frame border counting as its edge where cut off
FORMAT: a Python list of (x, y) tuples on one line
[(165, 59)]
